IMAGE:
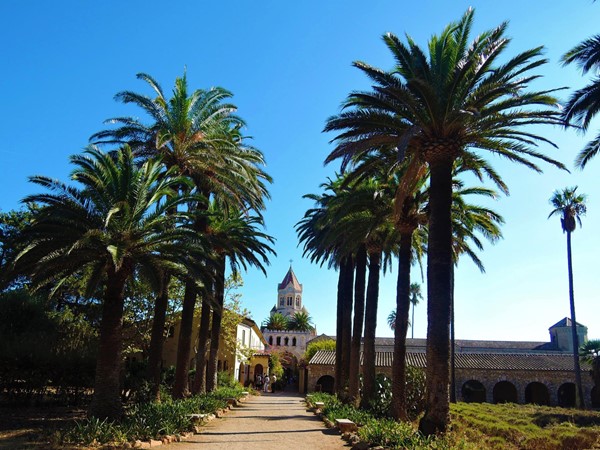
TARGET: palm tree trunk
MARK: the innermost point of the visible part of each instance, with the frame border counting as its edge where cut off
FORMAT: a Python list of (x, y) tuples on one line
[(357, 328), (343, 325), (184, 344), (579, 398), (368, 393), (201, 361), (157, 338), (452, 346), (400, 329), (106, 403), (439, 296), (412, 322), (215, 331), (347, 321)]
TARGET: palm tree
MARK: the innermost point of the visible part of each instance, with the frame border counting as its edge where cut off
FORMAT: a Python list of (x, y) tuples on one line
[(200, 135), (301, 321), (584, 104), (570, 206), (434, 109), (415, 296), (276, 322), (112, 227), (590, 351), (326, 239), (234, 237)]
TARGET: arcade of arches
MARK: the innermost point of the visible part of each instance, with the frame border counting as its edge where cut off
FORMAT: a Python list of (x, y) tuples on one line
[(542, 387)]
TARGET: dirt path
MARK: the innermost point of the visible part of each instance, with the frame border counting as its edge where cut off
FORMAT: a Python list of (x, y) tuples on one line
[(268, 422)]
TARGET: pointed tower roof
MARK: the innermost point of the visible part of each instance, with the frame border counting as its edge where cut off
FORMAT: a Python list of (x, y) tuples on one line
[(566, 322), (290, 277)]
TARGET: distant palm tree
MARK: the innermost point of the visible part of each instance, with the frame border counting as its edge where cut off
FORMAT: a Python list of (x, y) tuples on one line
[(301, 321), (570, 206), (276, 322), (436, 106), (590, 351), (584, 104), (415, 296), (111, 228)]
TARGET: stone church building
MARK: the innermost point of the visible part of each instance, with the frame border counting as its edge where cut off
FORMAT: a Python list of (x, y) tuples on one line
[(290, 343)]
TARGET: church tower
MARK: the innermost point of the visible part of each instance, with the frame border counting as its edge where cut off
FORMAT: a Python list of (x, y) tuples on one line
[(289, 295)]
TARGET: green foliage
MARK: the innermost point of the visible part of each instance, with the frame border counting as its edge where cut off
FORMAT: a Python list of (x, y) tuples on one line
[(314, 347), (227, 380), (381, 403), (415, 391), (42, 351), (393, 435), (301, 321), (148, 420), (275, 367), (93, 431), (277, 322)]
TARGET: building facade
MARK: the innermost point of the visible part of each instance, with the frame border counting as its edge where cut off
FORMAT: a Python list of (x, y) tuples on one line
[(489, 371), (290, 343)]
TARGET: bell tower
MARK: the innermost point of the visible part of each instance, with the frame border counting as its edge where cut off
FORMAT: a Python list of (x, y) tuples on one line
[(289, 295)]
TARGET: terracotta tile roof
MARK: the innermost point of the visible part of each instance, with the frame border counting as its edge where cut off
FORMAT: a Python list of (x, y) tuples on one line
[(481, 361), (290, 277)]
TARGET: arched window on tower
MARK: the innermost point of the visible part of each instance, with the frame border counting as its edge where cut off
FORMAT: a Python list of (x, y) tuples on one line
[(293, 342), (280, 301), (270, 340), (298, 301), (289, 301), (286, 341)]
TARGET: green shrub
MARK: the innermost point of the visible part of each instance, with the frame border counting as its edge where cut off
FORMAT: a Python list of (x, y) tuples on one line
[(225, 379), (93, 431)]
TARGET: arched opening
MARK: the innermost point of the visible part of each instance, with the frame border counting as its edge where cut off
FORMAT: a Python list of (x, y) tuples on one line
[(278, 341), (325, 384), (537, 393), (286, 341), (473, 392), (566, 395), (505, 392), (242, 373), (595, 397), (293, 342), (258, 370), (270, 340)]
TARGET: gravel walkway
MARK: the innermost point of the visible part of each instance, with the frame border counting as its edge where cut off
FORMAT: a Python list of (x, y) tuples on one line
[(267, 422)]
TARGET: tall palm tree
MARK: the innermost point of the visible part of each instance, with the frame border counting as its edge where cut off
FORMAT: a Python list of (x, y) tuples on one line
[(584, 103), (415, 297), (199, 134), (570, 206), (234, 237), (434, 107), (112, 227)]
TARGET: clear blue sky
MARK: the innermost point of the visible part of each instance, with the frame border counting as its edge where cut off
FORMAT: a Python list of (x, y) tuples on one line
[(289, 66)]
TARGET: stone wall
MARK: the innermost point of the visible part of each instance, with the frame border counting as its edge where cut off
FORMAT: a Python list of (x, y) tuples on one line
[(489, 378)]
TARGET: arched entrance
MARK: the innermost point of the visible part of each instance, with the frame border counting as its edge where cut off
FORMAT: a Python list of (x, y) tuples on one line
[(325, 384), (537, 393), (473, 391), (505, 392), (595, 397), (566, 395)]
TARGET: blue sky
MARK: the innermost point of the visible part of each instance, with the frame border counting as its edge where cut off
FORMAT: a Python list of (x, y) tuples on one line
[(289, 67)]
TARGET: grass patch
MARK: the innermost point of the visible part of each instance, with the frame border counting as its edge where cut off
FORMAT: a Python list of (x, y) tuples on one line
[(528, 427)]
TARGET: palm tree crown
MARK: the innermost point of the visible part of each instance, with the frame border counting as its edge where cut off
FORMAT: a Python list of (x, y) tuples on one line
[(584, 103), (570, 206)]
